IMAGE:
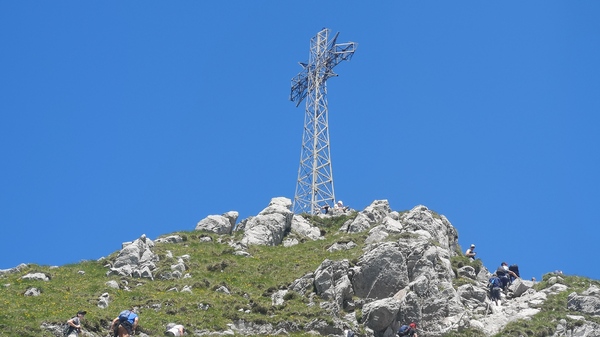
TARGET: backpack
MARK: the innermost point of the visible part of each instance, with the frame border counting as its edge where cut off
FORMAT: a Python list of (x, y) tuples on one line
[(495, 283), (67, 329), (403, 330), (124, 315)]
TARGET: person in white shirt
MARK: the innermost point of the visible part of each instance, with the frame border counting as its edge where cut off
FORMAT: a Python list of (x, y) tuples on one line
[(471, 252), (175, 330)]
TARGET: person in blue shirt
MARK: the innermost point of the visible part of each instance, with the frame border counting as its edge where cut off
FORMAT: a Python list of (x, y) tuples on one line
[(125, 324)]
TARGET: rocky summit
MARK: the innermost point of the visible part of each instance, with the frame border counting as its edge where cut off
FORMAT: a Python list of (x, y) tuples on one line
[(410, 269)]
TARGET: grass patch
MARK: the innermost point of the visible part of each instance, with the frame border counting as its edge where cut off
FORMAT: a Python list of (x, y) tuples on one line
[(461, 261), (465, 333), (250, 281)]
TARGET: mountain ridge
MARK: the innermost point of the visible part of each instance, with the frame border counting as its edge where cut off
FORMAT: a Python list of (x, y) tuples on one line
[(369, 271)]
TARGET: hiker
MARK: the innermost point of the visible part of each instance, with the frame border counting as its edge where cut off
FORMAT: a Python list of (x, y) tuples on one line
[(325, 209), (339, 207), (408, 330), (74, 325), (175, 330), (125, 324), (470, 253), (515, 269), (495, 286), (506, 275), (348, 332)]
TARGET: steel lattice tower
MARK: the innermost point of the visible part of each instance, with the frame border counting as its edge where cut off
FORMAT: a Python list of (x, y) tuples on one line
[(314, 187)]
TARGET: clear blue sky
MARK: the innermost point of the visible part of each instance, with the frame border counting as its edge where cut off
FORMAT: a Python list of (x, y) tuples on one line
[(124, 118)]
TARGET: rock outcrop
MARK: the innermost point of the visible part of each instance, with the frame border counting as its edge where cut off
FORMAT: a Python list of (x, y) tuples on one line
[(588, 302), (270, 226), (13, 270), (406, 279), (404, 273), (220, 224), (136, 259)]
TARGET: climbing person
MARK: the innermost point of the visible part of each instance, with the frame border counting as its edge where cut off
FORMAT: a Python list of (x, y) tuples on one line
[(408, 330), (175, 330), (73, 328), (495, 286), (505, 275), (515, 269), (125, 324), (348, 332), (470, 253)]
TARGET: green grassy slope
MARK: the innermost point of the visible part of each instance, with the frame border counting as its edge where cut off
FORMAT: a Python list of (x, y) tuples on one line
[(250, 280)]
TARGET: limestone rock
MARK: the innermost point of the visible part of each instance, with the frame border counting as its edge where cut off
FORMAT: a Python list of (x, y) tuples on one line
[(331, 282), (519, 286), (587, 304), (13, 270), (471, 293), (136, 259), (377, 210), (277, 297), (341, 246), (170, 239), (379, 315), (220, 224), (360, 224), (303, 228), (36, 276), (290, 242), (303, 284), (270, 226), (32, 292), (391, 223), (103, 301), (377, 234), (381, 272), (440, 229), (467, 271), (112, 284)]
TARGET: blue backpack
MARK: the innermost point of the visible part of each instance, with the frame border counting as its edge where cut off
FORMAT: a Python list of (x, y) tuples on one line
[(495, 283), (124, 315), (403, 330)]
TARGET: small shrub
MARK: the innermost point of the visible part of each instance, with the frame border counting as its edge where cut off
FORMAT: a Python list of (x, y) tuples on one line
[(462, 281), (290, 295), (461, 261)]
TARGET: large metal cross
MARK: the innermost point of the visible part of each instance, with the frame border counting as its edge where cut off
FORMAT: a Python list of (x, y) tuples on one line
[(314, 188)]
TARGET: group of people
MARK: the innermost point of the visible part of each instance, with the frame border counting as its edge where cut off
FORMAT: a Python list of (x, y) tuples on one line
[(338, 208), (501, 278), (409, 330), (124, 325)]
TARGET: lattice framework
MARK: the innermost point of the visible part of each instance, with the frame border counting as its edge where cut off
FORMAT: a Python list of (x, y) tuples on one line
[(314, 187)]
